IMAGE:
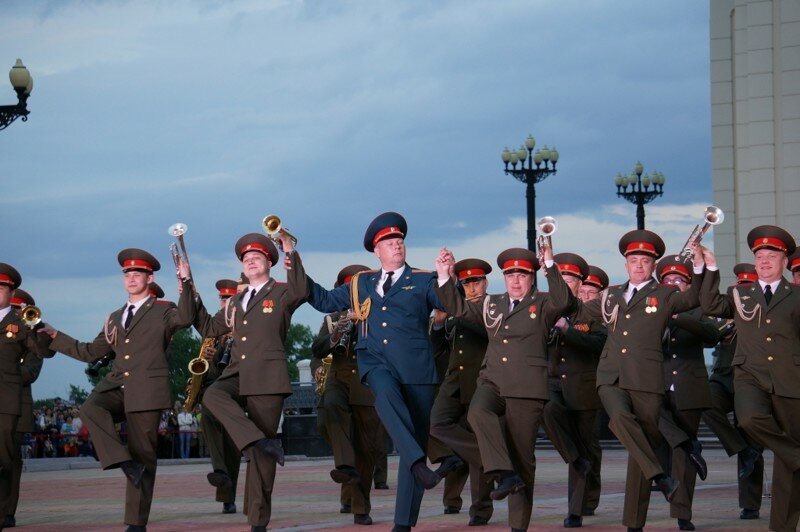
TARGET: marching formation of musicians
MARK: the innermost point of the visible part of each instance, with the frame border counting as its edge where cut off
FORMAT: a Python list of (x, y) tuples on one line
[(458, 378)]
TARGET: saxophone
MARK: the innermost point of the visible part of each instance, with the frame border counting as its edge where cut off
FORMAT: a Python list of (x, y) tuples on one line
[(197, 367), (323, 377)]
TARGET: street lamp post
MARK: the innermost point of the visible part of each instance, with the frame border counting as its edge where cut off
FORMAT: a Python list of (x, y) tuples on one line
[(22, 82), (530, 175), (640, 193)]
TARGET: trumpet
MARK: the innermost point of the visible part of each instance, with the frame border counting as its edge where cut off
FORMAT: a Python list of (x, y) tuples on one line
[(178, 251), (197, 367), (547, 226), (712, 216), (271, 224), (31, 315)]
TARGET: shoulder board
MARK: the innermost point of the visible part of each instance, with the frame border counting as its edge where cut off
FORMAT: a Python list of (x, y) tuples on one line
[(614, 286), (280, 283), (418, 270), (163, 302)]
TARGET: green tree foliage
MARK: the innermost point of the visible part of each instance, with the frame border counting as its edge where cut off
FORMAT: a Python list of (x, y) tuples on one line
[(298, 347), (77, 394)]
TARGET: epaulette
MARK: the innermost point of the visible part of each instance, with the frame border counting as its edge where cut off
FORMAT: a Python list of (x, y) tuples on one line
[(281, 282), (163, 302), (419, 270)]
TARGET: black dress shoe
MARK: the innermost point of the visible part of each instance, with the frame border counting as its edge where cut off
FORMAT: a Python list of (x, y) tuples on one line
[(668, 487), (685, 524), (573, 521), (451, 510), (136, 528), (749, 457), (450, 464), (582, 466), (258, 528), (362, 519), (9, 522), (429, 479), (635, 529), (402, 528), (134, 471), (345, 475), (229, 507), (381, 486), (694, 450), (748, 514), (345, 509), (271, 448), (509, 483), (219, 479), (477, 520)]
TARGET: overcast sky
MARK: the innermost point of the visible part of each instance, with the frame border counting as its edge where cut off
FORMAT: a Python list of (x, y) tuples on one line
[(216, 113)]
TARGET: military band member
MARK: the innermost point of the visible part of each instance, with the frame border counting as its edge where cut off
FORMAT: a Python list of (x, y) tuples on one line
[(247, 398), (685, 380), (349, 416), (393, 350), (463, 345), (734, 440), (31, 367), (513, 380), (794, 267), (570, 416), (226, 459), (630, 373), (137, 389), (766, 375)]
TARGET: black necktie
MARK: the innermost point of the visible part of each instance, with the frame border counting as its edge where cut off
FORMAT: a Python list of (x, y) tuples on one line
[(252, 298), (768, 293), (633, 294), (387, 284), (128, 317), (514, 303)]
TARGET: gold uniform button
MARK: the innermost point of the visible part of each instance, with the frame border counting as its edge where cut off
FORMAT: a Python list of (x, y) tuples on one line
[(127, 357), (506, 327), (769, 320), (383, 308), (123, 386), (627, 316), (505, 340), (461, 367), (460, 351), (674, 355), (244, 356), (563, 376), (674, 371), (770, 358), (563, 359), (127, 340), (127, 373), (21, 360), (562, 343), (384, 324), (624, 333), (769, 338), (352, 371), (624, 350), (385, 341), (673, 339), (504, 359), (461, 336), (244, 338), (244, 322)]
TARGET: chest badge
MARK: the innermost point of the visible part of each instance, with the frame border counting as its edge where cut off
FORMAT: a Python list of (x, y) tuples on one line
[(267, 306), (652, 305), (532, 310), (11, 330), (408, 287)]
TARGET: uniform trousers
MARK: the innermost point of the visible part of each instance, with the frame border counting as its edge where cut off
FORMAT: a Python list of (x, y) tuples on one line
[(509, 445), (574, 435), (16, 477), (771, 420), (263, 415), (682, 469), (225, 456), (380, 454), (633, 418), (8, 430), (450, 434), (734, 440), (405, 411), (100, 413)]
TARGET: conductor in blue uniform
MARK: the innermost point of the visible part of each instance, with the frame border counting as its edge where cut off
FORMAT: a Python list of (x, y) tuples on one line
[(394, 350)]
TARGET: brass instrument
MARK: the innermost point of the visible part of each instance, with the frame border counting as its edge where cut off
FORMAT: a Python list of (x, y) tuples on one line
[(197, 367), (712, 216), (271, 224), (323, 376), (178, 251), (31, 315), (547, 226)]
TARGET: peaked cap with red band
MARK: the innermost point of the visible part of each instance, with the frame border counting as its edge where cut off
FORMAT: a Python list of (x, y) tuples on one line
[(671, 264), (256, 242), (518, 259), (9, 276), (745, 273), (226, 288), (597, 277), (642, 242), (472, 269), (386, 225), (794, 262), (347, 273), (771, 237), (21, 298), (133, 259), (155, 290), (572, 264)]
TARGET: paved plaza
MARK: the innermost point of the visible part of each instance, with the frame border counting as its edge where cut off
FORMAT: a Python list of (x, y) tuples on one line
[(89, 499)]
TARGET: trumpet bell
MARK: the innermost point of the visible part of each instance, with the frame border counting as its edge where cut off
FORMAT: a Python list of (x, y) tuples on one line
[(271, 224), (177, 229), (547, 225), (714, 215), (31, 315)]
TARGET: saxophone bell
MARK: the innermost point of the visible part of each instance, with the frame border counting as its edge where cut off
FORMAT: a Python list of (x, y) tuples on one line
[(198, 367)]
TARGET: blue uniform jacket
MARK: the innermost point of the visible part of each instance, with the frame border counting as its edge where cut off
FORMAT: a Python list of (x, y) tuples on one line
[(396, 333)]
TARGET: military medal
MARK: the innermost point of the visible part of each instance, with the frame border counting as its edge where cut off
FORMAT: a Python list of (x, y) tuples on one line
[(651, 307), (11, 330), (532, 310), (266, 306)]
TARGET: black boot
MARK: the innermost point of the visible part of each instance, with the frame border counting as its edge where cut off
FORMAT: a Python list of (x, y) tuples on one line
[(508, 484)]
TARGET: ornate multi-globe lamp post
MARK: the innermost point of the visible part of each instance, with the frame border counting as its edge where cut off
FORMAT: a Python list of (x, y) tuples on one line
[(640, 192), (22, 82)]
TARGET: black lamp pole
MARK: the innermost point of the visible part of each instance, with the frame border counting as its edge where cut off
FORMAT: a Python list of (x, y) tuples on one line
[(22, 82), (640, 193)]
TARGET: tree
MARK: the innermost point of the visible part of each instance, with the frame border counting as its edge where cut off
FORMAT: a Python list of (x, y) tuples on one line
[(77, 395), (297, 347)]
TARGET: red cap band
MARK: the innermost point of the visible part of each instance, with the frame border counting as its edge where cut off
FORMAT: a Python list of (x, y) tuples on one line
[(17, 302), (746, 277), (347, 279), (517, 264), (255, 246), (227, 292), (386, 231), (645, 247), (136, 263), (471, 272), (5, 279), (795, 264), (570, 269), (769, 242), (593, 279), (152, 292), (679, 269)]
